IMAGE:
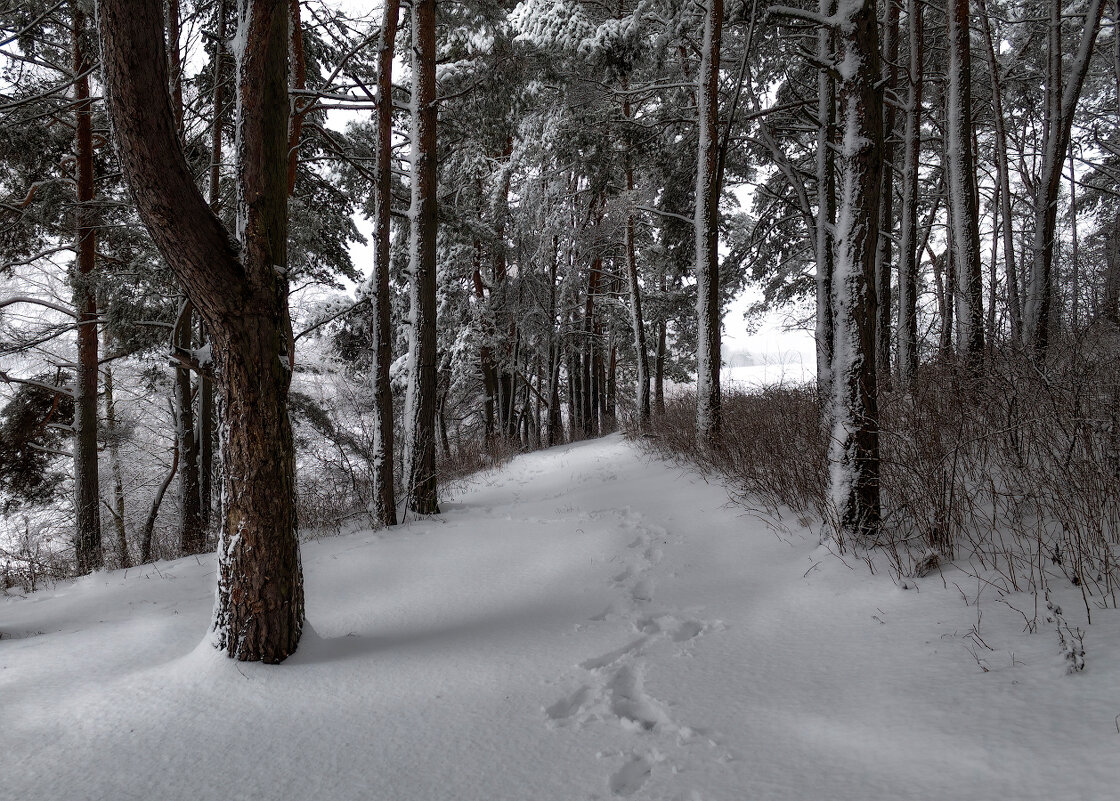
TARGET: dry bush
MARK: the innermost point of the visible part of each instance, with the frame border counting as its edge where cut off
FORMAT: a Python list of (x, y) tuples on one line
[(32, 557), (1016, 470), (772, 448)]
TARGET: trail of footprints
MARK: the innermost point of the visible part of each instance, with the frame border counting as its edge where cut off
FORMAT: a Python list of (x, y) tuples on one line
[(612, 686)]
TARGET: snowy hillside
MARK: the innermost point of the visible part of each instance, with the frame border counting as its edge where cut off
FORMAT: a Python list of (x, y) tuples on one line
[(584, 624)]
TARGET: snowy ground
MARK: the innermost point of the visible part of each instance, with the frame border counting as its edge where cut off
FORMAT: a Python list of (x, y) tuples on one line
[(586, 623)]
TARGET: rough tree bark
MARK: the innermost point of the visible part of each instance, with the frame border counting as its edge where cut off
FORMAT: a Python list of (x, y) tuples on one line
[(239, 288), (708, 401), (960, 169), (421, 472), (192, 534), (87, 495), (854, 448), (298, 81), (385, 499)]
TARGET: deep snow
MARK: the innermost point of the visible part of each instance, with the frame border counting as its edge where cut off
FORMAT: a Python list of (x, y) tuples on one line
[(585, 623)]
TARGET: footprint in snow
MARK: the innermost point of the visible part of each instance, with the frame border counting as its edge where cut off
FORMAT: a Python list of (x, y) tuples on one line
[(568, 707), (677, 630), (643, 589), (629, 779), (635, 709), (611, 657)]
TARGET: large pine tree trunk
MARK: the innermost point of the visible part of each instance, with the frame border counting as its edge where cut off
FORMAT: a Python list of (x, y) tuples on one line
[(908, 245), (241, 293), (708, 401), (422, 488), (960, 169), (854, 449), (87, 497), (385, 499), (298, 81)]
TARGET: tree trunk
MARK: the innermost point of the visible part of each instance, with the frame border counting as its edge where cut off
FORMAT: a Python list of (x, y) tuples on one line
[(854, 448), (908, 245), (826, 205), (500, 302), (422, 486), (124, 558), (886, 199), (659, 358), (384, 490), (587, 361), (708, 402), (637, 322), (241, 292), (192, 535), (555, 420), (157, 501), (1061, 104), (1003, 168), (175, 64), (960, 169), (205, 422), (298, 80), (87, 495), (1110, 308)]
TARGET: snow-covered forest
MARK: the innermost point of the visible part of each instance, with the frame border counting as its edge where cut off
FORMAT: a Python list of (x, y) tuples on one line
[(304, 287)]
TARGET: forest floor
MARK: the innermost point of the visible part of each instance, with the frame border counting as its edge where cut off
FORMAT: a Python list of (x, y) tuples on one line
[(584, 623)]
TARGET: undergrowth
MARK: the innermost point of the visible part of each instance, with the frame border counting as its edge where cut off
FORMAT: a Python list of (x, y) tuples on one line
[(1015, 472)]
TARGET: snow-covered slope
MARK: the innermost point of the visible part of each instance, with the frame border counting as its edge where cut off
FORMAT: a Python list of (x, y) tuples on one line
[(585, 623)]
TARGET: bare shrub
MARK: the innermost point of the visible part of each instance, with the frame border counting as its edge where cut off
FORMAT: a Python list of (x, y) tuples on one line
[(772, 448), (1016, 470)]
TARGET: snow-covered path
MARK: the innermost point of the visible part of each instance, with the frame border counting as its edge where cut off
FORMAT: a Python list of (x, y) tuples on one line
[(586, 623)]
